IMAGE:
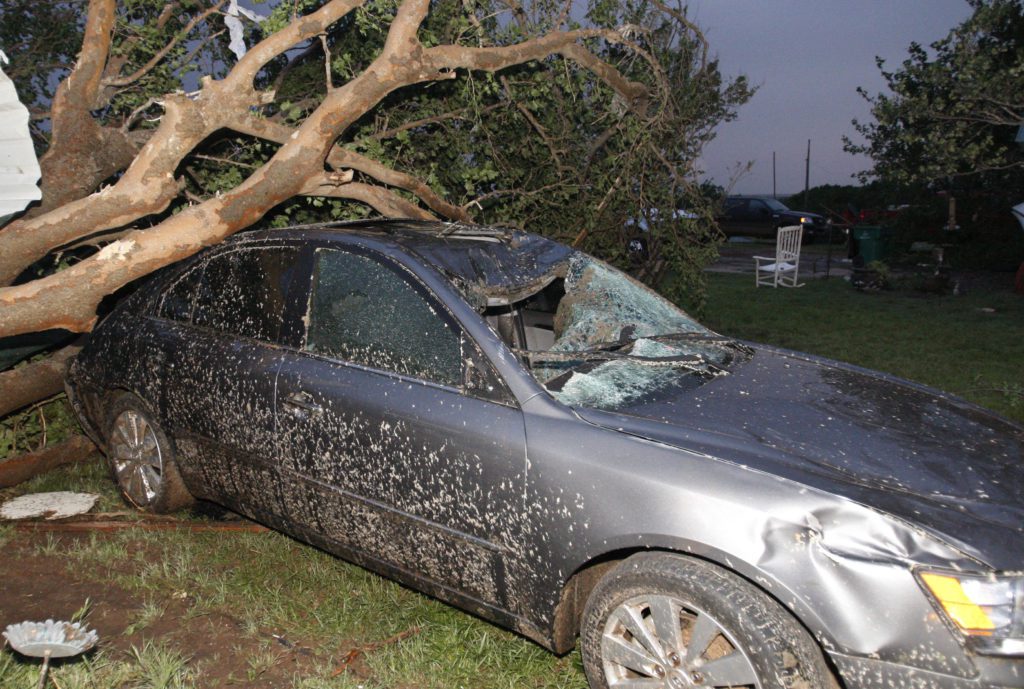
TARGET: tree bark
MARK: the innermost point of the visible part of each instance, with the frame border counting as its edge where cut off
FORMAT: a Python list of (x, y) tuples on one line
[(30, 383), (23, 467), (82, 153)]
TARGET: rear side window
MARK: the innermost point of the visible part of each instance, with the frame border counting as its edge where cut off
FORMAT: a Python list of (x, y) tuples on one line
[(243, 292), (176, 304), (364, 312)]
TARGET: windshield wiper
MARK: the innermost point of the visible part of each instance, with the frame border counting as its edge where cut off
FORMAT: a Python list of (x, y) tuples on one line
[(605, 355), (628, 338)]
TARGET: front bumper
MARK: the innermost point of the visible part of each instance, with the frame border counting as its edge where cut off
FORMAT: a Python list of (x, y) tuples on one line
[(868, 673)]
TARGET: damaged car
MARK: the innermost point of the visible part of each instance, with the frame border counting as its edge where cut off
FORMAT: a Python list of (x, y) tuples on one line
[(521, 430)]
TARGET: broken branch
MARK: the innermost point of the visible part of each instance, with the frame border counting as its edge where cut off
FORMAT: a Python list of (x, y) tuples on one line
[(18, 469), (34, 381)]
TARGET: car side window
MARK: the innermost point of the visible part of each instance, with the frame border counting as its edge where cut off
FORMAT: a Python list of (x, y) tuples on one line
[(363, 312), (176, 304), (243, 292)]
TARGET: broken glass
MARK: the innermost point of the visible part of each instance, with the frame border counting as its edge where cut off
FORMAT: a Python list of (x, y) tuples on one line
[(616, 341)]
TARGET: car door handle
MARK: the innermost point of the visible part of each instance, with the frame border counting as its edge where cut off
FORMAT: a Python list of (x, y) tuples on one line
[(301, 405)]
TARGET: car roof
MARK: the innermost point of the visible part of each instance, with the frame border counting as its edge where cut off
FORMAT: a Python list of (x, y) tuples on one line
[(497, 263)]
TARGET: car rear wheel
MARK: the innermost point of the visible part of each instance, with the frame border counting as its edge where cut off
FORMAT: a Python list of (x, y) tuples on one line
[(142, 459), (663, 620)]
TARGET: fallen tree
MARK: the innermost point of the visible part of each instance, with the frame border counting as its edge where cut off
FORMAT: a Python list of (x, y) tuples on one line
[(77, 448), (458, 109)]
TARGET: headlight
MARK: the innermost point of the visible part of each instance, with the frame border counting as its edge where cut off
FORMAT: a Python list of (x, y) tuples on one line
[(988, 610)]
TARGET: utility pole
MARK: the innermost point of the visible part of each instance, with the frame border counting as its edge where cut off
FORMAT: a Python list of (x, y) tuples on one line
[(807, 173), (774, 195)]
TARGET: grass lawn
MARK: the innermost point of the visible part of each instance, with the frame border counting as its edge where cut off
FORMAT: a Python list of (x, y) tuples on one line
[(178, 608), (970, 345)]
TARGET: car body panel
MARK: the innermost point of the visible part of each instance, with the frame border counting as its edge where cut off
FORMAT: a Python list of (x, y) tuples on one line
[(909, 450), (371, 471)]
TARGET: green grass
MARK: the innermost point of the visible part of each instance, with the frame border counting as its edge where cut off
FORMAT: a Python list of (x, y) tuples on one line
[(271, 585), (950, 342), (153, 666)]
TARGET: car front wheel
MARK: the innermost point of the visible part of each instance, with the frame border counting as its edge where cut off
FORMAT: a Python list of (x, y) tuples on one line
[(663, 620), (142, 459)]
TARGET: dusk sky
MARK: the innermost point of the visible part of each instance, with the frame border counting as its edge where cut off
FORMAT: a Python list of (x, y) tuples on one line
[(809, 57)]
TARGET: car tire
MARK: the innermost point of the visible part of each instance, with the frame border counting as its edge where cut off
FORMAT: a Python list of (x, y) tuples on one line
[(142, 459), (642, 617)]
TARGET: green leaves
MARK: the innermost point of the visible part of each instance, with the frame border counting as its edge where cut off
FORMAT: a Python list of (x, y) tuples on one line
[(953, 110)]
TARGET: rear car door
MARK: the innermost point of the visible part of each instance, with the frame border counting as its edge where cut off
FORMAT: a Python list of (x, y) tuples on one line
[(390, 458), (222, 323)]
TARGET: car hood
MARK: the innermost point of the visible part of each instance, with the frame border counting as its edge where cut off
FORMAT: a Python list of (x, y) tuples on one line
[(931, 459)]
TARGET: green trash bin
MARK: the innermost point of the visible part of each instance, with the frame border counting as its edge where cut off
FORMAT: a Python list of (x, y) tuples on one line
[(874, 242)]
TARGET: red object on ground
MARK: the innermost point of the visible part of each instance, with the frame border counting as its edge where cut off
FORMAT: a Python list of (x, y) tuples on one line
[(1018, 283)]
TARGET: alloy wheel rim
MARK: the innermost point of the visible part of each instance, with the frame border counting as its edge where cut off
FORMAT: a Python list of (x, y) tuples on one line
[(136, 456), (659, 641)]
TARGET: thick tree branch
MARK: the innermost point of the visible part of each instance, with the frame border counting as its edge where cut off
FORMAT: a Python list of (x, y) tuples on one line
[(82, 153), (148, 185), (15, 470), (26, 384)]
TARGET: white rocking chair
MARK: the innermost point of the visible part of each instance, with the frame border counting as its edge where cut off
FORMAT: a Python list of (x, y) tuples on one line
[(781, 270)]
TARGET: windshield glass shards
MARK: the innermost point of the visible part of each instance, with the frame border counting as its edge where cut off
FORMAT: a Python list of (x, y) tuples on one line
[(598, 338)]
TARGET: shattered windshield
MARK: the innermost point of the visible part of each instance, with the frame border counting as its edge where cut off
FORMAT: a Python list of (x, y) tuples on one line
[(597, 338)]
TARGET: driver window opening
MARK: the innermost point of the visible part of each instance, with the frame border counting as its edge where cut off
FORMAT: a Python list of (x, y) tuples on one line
[(530, 323)]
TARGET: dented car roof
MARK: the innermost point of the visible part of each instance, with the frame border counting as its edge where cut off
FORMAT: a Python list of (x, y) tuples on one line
[(497, 265)]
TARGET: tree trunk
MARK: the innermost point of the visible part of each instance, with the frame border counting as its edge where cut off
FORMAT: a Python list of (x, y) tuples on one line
[(36, 381), (23, 467)]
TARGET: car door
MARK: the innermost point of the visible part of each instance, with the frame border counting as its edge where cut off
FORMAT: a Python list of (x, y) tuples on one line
[(390, 458), (223, 319)]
